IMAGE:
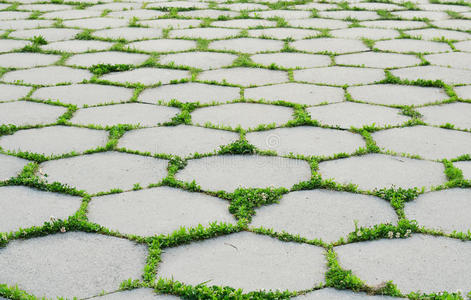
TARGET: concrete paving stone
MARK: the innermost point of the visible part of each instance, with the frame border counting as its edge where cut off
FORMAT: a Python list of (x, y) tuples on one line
[(361, 32), (315, 5), (376, 171), (318, 23), (71, 14), (434, 33), (85, 264), (171, 23), (353, 14), (376, 6), (247, 45), (129, 113), (419, 14), (44, 7), (447, 75), (394, 24), (244, 76), (10, 45), (192, 139), (190, 92), (24, 24), (129, 33), (458, 114), (5, 5), (312, 213), (464, 92), (23, 113), (334, 45), (300, 93), (292, 60), (14, 15), (445, 210), (49, 34), (422, 262), (243, 6), (463, 46), (428, 142), (200, 60), (77, 46), (141, 14), (410, 45), (147, 76), (24, 207), (204, 33), (378, 60), (96, 23), (454, 24), (229, 172), (256, 262), (465, 167), (136, 294), (453, 59), (84, 94), (107, 57), (245, 115), (163, 45), (111, 170), (27, 60), (13, 92), (117, 6), (390, 94), (156, 211), (244, 23), (333, 294), (11, 166), (281, 13), (443, 7), (51, 75), (339, 75), (283, 33), (54, 140), (348, 114), (177, 4), (208, 13)]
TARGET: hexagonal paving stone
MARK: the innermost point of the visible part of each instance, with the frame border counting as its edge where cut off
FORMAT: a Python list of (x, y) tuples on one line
[(162, 45), (333, 45), (13, 92), (13, 15), (455, 60), (71, 14), (27, 60), (426, 263), (77, 46), (24, 207), (377, 60), (204, 33), (129, 113), (178, 4), (24, 24), (283, 33), (191, 92), (111, 170), (44, 7), (434, 33), (141, 14), (24, 113), (47, 75), (318, 23), (244, 23), (200, 60), (428, 142), (297, 267), (454, 24), (54, 140), (10, 45), (115, 6), (464, 92), (244, 6), (292, 60), (448, 75), (11, 166), (409, 45), (281, 13), (229, 172), (111, 58), (417, 14), (312, 213), (304, 140), (307, 94), (339, 75), (465, 167), (142, 294), (458, 114), (208, 13), (96, 23), (147, 76), (394, 24), (247, 45), (246, 115), (333, 294), (389, 94), (129, 33), (191, 139), (244, 76), (85, 264), (156, 211), (362, 32), (171, 23), (84, 94), (49, 34), (463, 46), (348, 114), (376, 171), (316, 5), (353, 14)]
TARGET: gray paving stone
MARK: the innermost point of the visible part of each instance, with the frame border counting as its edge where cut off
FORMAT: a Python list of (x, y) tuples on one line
[(208, 13), (137, 294), (108, 57), (229, 172), (339, 75), (244, 23), (318, 23), (204, 33), (44, 7), (433, 33), (465, 167), (333, 45), (13, 15), (27, 60), (156, 211), (55, 140), (281, 13), (77, 46), (191, 92), (141, 14), (443, 7), (96, 23), (378, 60), (447, 75), (71, 14), (312, 213), (11, 166), (409, 45), (298, 266), (283, 33), (244, 76), (247, 45), (307, 94), (292, 60), (376, 171), (304, 140), (376, 6), (129, 113), (453, 24), (353, 14), (49, 34), (315, 5), (85, 264), (418, 14), (245, 115), (84, 94), (178, 4), (47, 75), (361, 32), (458, 114), (162, 45), (129, 33), (428, 142), (394, 24), (389, 94), (455, 60), (13, 92), (200, 60), (24, 24), (147, 76), (463, 46), (426, 263), (171, 23), (117, 6), (111, 170), (22, 113), (24, 207), (333, 294), (10, 45), (463, 92), (243, 6), (191, 139)]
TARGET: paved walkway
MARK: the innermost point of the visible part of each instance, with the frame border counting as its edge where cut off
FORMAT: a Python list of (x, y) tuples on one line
[(235, 150)]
